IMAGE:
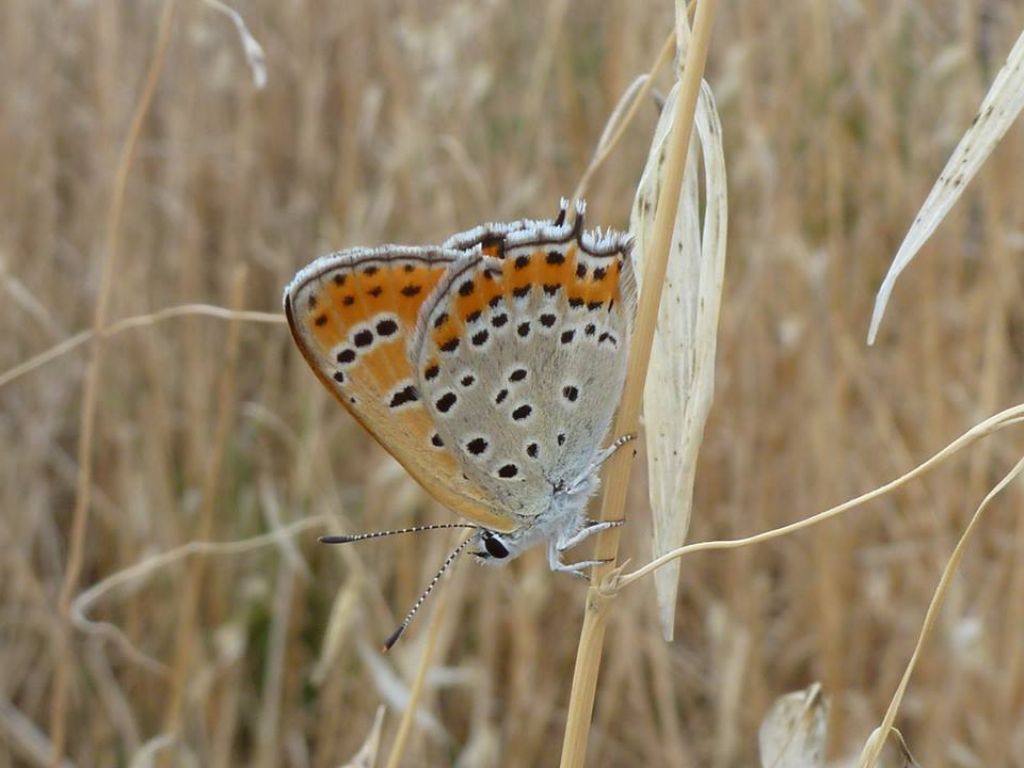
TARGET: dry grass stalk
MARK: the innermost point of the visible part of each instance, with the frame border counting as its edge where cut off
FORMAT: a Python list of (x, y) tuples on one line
[(90, 391), (194, 585), (139, 321), (401, 741), (591, 643), (634, 97)]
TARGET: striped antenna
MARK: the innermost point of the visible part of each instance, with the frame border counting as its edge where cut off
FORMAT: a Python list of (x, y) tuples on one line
[(426, 593), (343, 539)]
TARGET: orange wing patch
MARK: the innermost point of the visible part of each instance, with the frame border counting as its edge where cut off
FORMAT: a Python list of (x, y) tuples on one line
[(584, 280), (351, 315)]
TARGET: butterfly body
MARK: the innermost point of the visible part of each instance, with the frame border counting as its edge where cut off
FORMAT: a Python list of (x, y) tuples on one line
[(490, 367)]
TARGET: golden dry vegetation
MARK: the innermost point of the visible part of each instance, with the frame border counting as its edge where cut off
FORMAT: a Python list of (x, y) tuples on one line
[(404, 122)]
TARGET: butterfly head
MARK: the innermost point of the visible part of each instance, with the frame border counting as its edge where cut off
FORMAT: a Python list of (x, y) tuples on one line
[(492, 547), (563, 515)]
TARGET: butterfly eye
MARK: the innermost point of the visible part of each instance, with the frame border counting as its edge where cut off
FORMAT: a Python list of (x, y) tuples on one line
[(495, 548)]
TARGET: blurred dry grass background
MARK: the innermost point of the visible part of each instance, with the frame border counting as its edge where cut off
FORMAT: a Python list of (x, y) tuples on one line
[(396, 122)]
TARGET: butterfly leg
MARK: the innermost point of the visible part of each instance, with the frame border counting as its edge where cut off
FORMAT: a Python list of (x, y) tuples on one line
[(592, 527), (557, 546), (587, 478), (576, 569), (608, 452)]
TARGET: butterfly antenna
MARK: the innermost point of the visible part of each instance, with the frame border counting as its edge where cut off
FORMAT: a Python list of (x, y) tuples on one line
[(389, 643), (343, 539)]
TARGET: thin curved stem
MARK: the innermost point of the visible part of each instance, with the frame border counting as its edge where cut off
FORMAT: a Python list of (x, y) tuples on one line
[(1001, 420)]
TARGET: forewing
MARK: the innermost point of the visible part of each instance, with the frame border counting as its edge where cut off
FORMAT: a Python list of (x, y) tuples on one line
[(351, 314), (521, 360)]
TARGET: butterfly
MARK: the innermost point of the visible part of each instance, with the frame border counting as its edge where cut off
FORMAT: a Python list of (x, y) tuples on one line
[(489, 366)]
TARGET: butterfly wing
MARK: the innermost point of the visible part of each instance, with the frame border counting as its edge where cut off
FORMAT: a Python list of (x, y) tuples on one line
[(351, 314), (521, 359)]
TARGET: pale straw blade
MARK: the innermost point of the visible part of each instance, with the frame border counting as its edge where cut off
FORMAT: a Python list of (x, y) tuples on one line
[(680, 381), (998, 110)]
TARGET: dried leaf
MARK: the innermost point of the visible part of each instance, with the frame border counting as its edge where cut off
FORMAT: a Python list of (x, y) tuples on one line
[(253, 51), (793, 733), (680, 380), (366, 757), (998, 110)]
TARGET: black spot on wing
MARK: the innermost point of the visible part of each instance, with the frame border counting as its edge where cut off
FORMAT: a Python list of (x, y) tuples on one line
[(522, 412), (407, 394), (446, 402)]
